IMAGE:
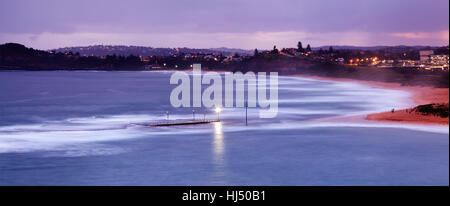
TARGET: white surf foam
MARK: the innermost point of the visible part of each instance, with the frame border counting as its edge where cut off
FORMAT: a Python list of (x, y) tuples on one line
[(72, 137)]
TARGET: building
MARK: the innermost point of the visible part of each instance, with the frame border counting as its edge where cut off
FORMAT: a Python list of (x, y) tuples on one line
[(340, 60), (441, 60), (425, 55), (409, 63)]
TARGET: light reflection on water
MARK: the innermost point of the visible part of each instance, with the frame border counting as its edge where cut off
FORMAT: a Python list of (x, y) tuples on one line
[(219, 145), (218, 151)]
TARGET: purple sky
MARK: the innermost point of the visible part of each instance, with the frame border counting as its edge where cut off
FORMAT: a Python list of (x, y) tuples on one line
[(247, 24)]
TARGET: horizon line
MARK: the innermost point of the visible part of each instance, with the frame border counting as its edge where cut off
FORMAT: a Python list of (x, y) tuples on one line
[(224, 47)]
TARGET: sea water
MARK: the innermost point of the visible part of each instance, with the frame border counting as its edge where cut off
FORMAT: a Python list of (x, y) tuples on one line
[(84, 128)]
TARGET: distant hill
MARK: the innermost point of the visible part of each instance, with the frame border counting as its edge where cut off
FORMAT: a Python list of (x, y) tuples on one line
[(120, 50), (373, 48), (233, 50), (104, 50), (16, 56)]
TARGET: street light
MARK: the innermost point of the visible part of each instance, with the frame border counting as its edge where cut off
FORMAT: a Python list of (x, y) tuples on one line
[(218, 110)]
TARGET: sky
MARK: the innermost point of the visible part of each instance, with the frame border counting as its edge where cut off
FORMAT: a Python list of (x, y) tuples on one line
[(246, 24)]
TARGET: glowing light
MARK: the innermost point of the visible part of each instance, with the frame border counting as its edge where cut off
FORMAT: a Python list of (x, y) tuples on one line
[(218, 110)]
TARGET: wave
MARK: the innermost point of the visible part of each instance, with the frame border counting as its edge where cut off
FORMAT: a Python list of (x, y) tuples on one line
[(301, 104)]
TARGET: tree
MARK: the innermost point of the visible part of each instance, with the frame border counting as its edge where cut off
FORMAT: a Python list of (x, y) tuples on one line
[(256, 53), (330, 50), (275, 50), (300, 47), (308, 48)]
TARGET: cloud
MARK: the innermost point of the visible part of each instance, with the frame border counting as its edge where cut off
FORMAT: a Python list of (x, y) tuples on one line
[(214, 16), (247, 24), (443, 35), (247, 40)]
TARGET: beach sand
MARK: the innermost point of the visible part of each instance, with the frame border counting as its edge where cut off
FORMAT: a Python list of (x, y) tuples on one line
[(408, 117), (420, 95)]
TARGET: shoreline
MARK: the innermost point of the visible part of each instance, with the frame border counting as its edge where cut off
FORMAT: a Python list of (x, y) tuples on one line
[(419, 95)]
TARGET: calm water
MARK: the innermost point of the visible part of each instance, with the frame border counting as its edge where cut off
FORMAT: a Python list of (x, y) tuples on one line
[(77, 128)]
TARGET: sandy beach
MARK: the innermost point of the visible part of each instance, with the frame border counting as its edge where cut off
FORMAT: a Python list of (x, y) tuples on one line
[(420, 96)]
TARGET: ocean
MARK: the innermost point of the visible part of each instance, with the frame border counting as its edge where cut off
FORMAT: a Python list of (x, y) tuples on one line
[(84, 128)]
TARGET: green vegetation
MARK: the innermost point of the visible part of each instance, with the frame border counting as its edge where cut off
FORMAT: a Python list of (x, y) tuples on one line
[(17, 56), (441, 110)]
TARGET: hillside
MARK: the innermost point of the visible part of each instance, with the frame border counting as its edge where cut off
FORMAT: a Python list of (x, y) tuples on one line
[(18, 57), (104, 50)]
